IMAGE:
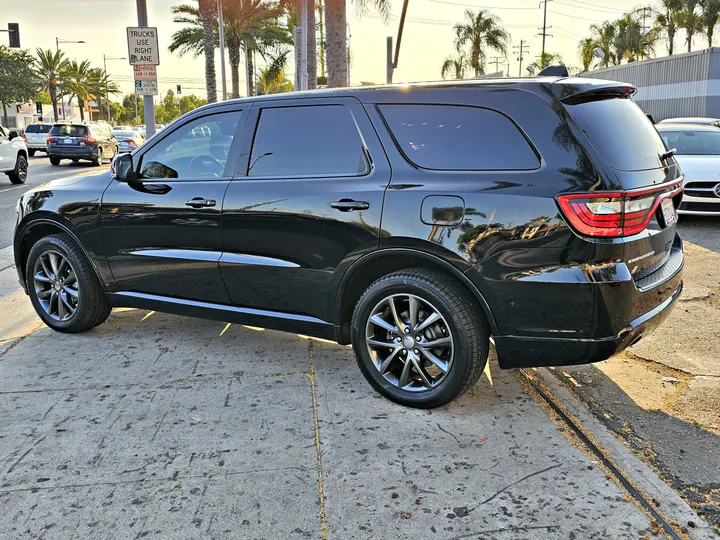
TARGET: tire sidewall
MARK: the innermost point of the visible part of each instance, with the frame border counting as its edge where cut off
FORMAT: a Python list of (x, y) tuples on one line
[(56, 245), (461, 367)]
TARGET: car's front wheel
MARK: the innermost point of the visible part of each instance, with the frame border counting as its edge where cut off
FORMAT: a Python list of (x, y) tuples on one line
[(418, 339), (63, 287), (54, 161), (99, 160)]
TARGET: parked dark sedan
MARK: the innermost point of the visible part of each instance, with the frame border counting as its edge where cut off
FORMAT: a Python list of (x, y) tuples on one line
[(414, 222), (93, 142)]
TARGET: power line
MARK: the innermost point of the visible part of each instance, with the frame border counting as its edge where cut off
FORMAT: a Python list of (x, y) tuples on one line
[(594, 6), (576, 17), (476, 6)]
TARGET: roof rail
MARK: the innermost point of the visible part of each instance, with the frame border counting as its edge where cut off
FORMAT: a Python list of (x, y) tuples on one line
[(555, 71)]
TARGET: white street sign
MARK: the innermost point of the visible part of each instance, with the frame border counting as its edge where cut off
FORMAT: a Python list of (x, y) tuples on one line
[(145, 73), (146, 88), (143, 46)]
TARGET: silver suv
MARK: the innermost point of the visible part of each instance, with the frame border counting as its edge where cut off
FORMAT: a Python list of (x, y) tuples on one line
[(36, 137)]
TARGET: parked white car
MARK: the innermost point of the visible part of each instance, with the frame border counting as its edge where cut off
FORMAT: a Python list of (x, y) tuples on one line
[(13, 155), (700, 120), (697, 150), (36, 137)]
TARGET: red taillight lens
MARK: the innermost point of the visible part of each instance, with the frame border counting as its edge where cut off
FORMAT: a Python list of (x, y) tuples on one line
[(24, 138), (620, 213), (87, 139), (49, 139)]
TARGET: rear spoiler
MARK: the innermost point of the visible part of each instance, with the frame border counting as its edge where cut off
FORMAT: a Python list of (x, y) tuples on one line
[(573, 91)]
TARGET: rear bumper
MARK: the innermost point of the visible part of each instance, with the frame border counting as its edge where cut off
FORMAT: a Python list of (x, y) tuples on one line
[(36, 145), (77, 152), (632, 309), (709, 205)]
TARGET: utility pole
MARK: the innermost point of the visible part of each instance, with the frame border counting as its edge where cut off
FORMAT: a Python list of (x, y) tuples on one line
[(496, 60), (147, 100), (221, 38), (392, 63), (301, 37), (644, 43), (544, 28), (522, 49)]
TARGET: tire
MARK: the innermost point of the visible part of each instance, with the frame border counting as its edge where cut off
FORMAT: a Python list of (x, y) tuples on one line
[(31, 152), (99, 160), (460, 319), (54, 161), (91, 306), (76, 160), (19, 174)]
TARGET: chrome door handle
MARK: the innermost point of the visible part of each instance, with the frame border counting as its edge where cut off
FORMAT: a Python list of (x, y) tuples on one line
[(199, 202), (348, 205)]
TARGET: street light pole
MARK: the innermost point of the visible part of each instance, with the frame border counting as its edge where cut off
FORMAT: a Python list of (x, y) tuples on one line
[(221, 37), (149, 106), (107, 83), (57, 48)]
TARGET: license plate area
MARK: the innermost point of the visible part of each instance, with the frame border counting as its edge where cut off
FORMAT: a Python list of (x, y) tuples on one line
[(67, 141), (669, 214)]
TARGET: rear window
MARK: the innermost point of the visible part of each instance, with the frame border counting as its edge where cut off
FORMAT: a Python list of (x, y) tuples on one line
[(124, 134), (620, 132), (71, 131), (693, 143), (37, 128), (459, 138)]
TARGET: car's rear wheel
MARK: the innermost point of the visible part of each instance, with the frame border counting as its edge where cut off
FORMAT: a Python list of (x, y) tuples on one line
[(54, 161), (417, 338), (99, 160), (19, 174), (63, 287), (31, 152)]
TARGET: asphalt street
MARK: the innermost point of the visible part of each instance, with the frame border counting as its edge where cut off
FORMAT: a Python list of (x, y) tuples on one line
[(157, 426), (39, 172)]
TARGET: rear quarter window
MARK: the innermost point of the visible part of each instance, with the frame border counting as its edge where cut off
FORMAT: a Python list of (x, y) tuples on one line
[(459, 138), (620, 132)]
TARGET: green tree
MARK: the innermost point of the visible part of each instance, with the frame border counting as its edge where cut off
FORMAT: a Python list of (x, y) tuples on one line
[(170, 106), (546, 59), (17, 82), (479, 31), (709, 18), (455, 65), (586, 53), (49, 68), (118, 112), (272, 79), (128, 103), (43, 97), (603, 37), (666, 21), (628, 42), (189, 102), (80, 82), (690, 19)]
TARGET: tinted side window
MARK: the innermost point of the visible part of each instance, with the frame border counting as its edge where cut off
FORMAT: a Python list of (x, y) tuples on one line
[(198, 149), (458, 138), (307, 141)]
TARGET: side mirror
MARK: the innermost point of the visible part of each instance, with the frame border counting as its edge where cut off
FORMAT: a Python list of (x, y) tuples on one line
[(13, 134), (122, 168)]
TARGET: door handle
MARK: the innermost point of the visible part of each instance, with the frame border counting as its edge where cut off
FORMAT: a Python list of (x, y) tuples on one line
[(348, 205), (199, 202)]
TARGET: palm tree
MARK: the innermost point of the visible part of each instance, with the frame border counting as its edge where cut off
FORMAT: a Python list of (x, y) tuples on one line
[(273, 79), (79, 83), (100, 85), (546, 59), (628, 39), (208, 18), (336, 35), (49, 69), (603, 38), (667, 21), (481, 30), (586, 49), (690, 20), (456, 65), (710, 14)]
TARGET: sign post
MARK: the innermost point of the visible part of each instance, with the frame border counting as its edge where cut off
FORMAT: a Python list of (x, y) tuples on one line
[(144, 53)]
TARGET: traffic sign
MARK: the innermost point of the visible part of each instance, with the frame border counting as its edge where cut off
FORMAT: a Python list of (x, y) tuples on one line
[(143, 46), (145, 73), (146, 88)]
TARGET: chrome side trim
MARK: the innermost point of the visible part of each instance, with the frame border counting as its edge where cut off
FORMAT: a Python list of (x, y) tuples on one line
[(240, 258), (190, 254), (222, 307)]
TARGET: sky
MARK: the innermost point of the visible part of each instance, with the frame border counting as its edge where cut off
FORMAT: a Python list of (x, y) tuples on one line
[(426, 42)]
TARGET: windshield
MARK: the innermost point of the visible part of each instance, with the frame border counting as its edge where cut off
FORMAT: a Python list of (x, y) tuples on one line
[(693, 143), (620, 132), (69, 130)]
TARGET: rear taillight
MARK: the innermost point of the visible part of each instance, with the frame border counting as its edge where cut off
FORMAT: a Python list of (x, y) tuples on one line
[(24, 138), (617, 213), (50, 139), (87, 139)]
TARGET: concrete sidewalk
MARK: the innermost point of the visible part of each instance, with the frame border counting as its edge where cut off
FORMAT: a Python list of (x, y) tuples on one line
[(168, 427)]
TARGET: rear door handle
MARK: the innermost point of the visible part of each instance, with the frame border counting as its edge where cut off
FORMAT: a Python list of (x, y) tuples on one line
[(199, 202), (348, 205)]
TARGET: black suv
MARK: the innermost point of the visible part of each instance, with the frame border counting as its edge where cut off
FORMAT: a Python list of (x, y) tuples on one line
[(76, 141), (415, 222)]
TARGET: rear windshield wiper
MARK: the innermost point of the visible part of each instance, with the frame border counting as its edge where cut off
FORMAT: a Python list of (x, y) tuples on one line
[(669, 153)]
